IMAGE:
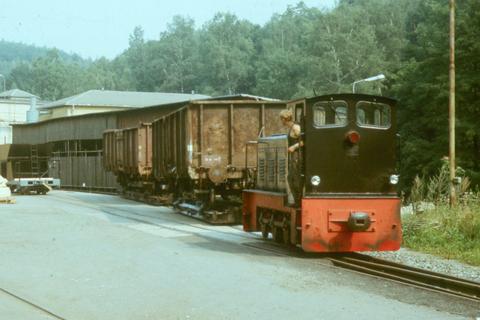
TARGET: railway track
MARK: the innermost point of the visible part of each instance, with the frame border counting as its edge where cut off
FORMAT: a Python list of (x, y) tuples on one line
[(409, 275), (32, 304), (364, 264), (384, 269)]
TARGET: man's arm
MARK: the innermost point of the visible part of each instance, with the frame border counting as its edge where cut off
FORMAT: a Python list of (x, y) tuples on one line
[(296, 133)]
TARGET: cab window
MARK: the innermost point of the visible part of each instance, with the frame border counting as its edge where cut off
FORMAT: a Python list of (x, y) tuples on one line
[(329, 113), (373, 115)]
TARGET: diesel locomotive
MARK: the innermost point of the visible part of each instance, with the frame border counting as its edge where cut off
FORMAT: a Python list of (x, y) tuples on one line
[(346, 178)]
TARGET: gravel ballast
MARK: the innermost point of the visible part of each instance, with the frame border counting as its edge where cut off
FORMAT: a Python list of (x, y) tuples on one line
[(430, 262)]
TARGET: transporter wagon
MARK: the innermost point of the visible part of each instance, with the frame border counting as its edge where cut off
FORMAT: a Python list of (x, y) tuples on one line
[(347, 178)]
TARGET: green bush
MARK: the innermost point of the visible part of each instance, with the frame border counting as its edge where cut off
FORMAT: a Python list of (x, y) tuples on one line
[(451, 232)]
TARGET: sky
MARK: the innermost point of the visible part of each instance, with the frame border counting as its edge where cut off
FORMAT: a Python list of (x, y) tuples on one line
[(96, 28)]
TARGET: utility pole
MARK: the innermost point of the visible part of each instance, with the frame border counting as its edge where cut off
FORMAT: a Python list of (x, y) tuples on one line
[(451, 106)]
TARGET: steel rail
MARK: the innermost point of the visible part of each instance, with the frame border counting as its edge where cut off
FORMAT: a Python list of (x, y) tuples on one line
[(32, 304), (410, 275)]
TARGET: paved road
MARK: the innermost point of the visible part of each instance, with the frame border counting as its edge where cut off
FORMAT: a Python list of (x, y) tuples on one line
[(86, 256)]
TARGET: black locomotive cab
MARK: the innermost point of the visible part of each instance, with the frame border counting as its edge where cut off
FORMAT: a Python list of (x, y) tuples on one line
[(349, 145)]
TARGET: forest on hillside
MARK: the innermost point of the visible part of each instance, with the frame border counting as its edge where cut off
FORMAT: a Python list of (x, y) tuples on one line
[(298, 52), (13, 53)]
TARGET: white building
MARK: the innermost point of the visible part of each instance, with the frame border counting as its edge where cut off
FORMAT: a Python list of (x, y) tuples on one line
[(14, 105)]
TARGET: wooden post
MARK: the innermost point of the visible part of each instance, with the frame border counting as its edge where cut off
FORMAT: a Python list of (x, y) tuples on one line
[(451, 105)]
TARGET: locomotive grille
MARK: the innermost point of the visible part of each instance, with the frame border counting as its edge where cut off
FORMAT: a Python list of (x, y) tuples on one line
[(261, 169), (282, 170), (271, 170)]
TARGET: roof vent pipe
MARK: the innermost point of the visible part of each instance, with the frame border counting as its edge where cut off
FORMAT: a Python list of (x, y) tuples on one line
[(32, 113)]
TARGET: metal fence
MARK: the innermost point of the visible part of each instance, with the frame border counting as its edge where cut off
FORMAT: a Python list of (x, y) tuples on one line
[(82, 170)]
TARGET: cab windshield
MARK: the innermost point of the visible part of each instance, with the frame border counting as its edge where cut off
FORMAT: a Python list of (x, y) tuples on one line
[(373, 115), (330, 114)]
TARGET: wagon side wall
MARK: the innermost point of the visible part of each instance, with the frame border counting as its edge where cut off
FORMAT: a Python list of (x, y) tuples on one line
[(207, 135), (109, 151)]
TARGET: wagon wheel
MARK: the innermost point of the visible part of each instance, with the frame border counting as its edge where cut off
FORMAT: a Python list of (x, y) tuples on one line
[(264, 228), (277, 234)]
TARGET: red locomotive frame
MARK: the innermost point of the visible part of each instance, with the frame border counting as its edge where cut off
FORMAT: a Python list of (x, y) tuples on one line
[(321, 225)]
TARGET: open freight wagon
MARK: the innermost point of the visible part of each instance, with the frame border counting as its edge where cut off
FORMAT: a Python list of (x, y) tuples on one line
[(128, 154), (200, 153)]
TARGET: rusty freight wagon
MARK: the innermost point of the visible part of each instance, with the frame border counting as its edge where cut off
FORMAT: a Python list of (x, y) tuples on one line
[(128, 154), (111, 160), (199, 152)]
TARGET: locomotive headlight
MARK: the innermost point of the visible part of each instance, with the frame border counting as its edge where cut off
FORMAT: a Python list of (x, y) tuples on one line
[(394, 178), (315, 181)]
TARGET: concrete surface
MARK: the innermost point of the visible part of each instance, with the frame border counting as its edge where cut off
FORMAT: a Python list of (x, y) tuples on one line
[(90, 256)]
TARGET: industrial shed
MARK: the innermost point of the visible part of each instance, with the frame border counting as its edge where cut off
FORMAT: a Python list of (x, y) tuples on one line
[(70, 148), (96, 101)]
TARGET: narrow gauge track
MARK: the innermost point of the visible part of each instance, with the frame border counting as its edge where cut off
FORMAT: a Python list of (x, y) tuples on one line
[(410, 275), (384, 269), (32, 304), (361, 263), (369, 265)]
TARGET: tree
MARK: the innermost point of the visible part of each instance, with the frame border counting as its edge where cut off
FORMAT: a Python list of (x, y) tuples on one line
[(21, 77), (343, 49), (178, 48), (422, 87), (226, 55), (136, 60), (283, 59), (100, 75), (50, 77)]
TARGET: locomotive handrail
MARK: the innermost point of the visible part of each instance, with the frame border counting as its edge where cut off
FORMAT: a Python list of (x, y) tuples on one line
[(249, 143), (252, 142)]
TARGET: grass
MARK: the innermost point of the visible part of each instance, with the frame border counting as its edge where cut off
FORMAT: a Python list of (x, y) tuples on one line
[(449, 232), (452, 233)]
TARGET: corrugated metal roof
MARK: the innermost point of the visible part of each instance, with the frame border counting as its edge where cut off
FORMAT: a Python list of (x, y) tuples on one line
[(243, 96), (16, 93), (127, 99)]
